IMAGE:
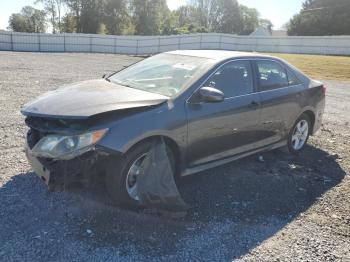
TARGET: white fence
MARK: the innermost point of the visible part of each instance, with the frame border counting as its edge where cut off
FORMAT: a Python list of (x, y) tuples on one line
[(137, 45)]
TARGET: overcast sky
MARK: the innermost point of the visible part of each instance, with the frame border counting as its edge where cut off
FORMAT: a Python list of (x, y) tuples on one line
[(279, 12)]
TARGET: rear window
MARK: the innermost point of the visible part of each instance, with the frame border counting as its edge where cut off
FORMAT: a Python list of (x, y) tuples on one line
[(271, 75), (292, 79)]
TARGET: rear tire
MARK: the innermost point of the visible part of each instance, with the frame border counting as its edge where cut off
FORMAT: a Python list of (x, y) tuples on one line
[(117, 174), (299, 134)]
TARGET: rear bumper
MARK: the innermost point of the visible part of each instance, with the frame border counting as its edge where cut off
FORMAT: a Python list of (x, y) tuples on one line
[(319, 117)]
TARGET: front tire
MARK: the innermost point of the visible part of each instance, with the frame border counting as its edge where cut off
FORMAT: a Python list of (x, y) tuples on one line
[(299, 134), (121, 175)]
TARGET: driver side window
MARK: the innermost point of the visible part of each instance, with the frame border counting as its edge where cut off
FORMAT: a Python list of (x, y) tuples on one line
[(233, 79)]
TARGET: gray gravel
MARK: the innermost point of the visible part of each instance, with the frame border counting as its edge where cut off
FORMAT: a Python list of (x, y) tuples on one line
[(282, 209)]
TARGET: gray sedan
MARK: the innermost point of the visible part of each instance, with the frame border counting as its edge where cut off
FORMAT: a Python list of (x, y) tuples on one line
[(210, 107)]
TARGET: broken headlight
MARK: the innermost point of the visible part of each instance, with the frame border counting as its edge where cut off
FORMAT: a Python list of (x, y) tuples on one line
[(67, 147)]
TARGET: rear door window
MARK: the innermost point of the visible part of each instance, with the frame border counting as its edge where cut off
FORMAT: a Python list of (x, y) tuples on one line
[(292, 79), (233, 79), (271, 75)]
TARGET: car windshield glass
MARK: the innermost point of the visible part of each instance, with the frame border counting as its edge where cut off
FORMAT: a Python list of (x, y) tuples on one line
[(165, 74)]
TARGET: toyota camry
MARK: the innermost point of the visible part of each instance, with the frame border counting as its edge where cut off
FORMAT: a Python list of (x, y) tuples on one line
[(209, 107)]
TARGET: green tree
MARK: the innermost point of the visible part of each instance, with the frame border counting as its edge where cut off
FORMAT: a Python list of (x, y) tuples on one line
[(267, 24), (204, 9), (18, 23), (75, 7), (250, 20), (321, 17), (187, 15), (30, 20), (225, 17), (69, 23), (54, 9), (149, 16), (171, 24), (91, 16), (116, 17)]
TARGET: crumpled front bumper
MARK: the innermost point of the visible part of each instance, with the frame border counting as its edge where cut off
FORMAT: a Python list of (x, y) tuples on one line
[(56, 174)]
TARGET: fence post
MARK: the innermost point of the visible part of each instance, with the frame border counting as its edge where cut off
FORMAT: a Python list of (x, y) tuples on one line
[(158, 44), (64, 42), (200, 42), (137, 46), (115, 44), (90, 38), (11, 41), (39, 42), (179, 43)]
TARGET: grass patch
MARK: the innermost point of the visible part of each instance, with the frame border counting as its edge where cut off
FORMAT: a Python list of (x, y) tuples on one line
[(321, 66)]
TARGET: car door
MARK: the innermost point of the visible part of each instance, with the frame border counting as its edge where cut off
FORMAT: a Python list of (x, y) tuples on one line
[(220, 130), (280, 92)]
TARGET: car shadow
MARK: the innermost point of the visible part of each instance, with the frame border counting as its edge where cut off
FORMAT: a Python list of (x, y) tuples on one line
[(233, 208)]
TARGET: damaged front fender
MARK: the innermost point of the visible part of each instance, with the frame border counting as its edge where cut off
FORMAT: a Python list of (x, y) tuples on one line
[(59, 172)]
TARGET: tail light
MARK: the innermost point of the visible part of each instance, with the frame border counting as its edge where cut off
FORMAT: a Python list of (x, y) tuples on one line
[(324, 89)]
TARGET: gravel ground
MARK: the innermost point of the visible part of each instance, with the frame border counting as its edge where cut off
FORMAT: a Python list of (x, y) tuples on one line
[(283, 209)]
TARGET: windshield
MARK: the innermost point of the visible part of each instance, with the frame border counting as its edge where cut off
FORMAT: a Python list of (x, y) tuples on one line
[(165, 74)]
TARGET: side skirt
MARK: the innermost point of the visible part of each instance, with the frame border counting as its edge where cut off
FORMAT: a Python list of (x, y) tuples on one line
[(197, 169)]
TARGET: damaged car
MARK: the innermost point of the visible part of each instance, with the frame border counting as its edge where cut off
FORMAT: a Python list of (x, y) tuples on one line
[(207, 107)]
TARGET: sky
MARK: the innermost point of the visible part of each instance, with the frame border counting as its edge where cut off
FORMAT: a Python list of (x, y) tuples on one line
[(277, 11)]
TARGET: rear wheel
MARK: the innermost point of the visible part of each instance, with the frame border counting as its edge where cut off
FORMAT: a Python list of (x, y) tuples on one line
[(121, 175), (299, 134)]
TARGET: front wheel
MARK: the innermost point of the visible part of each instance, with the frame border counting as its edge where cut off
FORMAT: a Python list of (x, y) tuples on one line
[(299, 134), (121, 175)]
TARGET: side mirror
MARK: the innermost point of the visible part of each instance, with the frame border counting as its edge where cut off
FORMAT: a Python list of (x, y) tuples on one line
[(211, 95), (104, 76)]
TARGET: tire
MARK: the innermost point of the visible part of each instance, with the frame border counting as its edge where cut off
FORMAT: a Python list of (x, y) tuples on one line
[(294, 145), (117, 173)]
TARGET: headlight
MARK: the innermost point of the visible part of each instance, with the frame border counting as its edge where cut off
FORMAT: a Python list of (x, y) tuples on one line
[(67, 147)]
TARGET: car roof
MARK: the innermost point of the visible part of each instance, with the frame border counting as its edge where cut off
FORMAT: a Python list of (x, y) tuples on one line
[(218, 54)]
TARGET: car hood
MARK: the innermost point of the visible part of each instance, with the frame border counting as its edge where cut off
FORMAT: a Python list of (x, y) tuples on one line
[(84, 99)]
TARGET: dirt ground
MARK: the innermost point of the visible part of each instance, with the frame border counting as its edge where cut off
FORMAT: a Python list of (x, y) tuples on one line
[(282, 209)]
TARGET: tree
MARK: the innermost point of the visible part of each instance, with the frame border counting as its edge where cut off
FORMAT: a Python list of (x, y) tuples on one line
[(267, 24), (69, 23), (225, 17), (30, 20), (18, 23), (187, 15), (321, 17), (149, 16), (91, 16), (75, 7), (250, 20), (116, 17), (204, 9), (171, 24), (53, 8)]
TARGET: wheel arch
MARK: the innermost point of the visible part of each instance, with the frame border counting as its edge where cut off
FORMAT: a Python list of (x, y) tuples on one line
[(312, 117), (171, 143)]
